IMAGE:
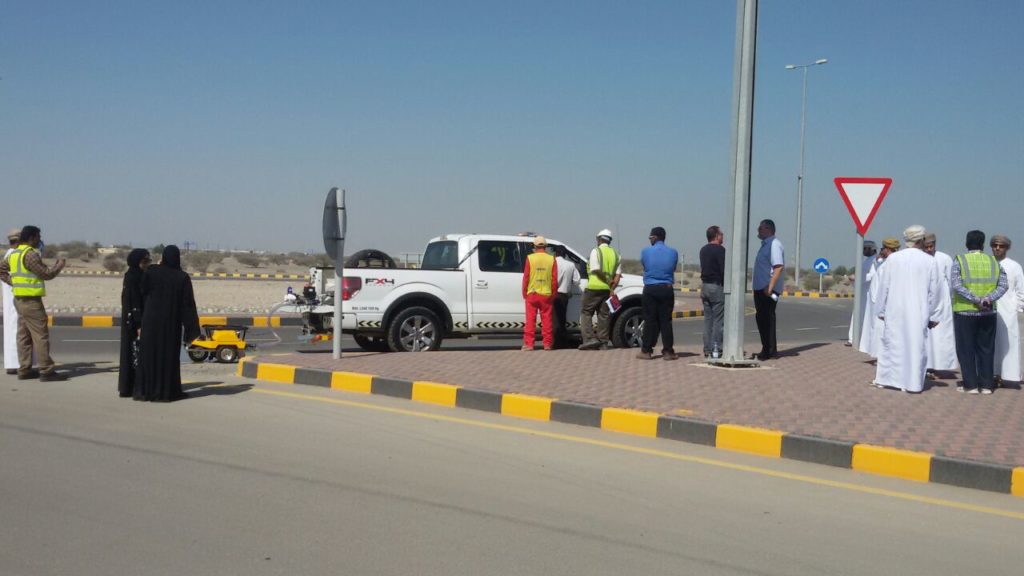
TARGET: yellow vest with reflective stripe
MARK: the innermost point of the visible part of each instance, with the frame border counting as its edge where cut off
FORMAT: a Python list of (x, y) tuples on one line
[(979, 273), (609, 263), (24, 281), (541, 267)]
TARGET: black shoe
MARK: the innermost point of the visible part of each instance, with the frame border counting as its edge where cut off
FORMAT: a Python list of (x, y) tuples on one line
[(29, 375), (52, 377), (12, 371)]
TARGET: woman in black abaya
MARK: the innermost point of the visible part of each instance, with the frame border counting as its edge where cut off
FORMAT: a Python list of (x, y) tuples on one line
[(169, 318), (131, 319)]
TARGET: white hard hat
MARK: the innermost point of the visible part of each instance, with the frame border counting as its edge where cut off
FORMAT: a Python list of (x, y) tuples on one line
[(606, 233)]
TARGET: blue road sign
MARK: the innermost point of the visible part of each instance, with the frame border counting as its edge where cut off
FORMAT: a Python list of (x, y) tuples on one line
[(821, 266)]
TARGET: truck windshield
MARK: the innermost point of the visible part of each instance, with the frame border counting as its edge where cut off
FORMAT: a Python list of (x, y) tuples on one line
[(443, 255)]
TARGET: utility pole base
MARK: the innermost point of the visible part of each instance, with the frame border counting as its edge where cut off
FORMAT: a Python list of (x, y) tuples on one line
[(734, 363)]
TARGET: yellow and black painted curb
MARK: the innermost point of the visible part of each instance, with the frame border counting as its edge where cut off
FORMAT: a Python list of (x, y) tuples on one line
[(790, 294), (112, 321), (916, 466), (199, 275), (107, 321)]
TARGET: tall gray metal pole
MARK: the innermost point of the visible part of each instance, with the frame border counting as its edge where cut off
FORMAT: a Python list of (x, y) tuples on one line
[(743, 123), (800, 186), (339, 275), (858, 293)]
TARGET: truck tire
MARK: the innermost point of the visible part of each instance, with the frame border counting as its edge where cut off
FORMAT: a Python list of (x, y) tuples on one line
[(415, 329), (628, 329), (372, 343)]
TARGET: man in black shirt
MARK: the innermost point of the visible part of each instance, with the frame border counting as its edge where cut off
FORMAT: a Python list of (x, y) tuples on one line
[(712, 292)]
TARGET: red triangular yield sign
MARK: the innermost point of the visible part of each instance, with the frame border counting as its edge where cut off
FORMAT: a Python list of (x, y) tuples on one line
[(863, 196)]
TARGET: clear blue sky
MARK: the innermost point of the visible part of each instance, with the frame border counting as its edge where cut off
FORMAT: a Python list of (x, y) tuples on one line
[(225, 123)]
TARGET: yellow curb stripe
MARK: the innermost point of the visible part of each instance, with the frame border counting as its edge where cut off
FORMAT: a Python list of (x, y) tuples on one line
[(434, 393), (1017, 482), (351, 382), (892, 462), (262, 322), (241, 364), (279, 373), (630, 421), (49, 321), (524, 406), (97, 321), (751, 440), (212, 320)]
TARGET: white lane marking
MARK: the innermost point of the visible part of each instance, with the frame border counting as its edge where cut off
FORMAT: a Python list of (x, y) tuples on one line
[(804, 329), (842, 326), (118, 340)]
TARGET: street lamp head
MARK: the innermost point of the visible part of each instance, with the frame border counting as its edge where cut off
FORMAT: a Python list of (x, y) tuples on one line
[(822, 61), (790, 66)]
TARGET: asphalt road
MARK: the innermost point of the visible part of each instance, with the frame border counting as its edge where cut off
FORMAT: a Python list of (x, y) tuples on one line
[(801, 321), (251, 478)]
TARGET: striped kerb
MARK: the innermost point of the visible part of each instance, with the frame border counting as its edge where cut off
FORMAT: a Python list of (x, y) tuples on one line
[(351, 382), (434, 393), (752, 440), (523, 406), (892, 462), (630, 421), (280, 373)]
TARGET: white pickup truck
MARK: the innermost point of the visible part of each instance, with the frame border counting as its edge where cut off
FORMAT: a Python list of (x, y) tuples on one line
[(467, 285)]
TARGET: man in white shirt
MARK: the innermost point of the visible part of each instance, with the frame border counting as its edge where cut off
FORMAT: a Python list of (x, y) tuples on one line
[(1007, 354), (908, 305), (871, 330), (941, 338), (568, 284), (10, 312)]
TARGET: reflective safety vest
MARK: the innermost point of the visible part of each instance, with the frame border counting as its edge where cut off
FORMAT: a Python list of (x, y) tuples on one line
[(24, 281), (609, 260), (979, 273), (542, 265)]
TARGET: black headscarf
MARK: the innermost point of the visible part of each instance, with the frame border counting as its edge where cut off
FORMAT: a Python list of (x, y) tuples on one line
[(171, 257), (136, 256)]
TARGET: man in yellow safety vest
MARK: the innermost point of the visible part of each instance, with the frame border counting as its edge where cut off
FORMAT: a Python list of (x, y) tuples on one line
[(540, 285), (605, 272), (978, 281), (25, 272)]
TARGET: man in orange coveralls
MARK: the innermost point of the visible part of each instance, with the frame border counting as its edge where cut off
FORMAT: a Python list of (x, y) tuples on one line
[(540, 285)]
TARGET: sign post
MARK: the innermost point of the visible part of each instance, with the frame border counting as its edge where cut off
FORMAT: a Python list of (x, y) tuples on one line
[(335, 224), (821, 266), (863, 197)]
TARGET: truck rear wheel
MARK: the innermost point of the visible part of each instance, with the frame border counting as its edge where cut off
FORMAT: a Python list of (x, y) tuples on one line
[(415, 329), (372, 343), (629, 328)]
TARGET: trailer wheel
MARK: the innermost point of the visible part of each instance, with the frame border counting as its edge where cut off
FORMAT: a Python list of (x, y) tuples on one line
[(372, 343), (227, 354), (629, 328), (415, 329), (198, 355)]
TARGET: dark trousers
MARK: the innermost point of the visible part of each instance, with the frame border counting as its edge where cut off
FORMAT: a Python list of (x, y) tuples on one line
[(33, 335), (713, 298), (657, 304), (593, 302), (558, 312), (975, 349), (765, 317)]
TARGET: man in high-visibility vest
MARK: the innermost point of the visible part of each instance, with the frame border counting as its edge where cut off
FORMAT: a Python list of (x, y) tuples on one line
[(540, 285), (25, 272), (978, 282), (605, 272)]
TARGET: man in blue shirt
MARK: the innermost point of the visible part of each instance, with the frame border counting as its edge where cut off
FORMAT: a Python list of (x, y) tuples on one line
[(659, 263), (767, 285)]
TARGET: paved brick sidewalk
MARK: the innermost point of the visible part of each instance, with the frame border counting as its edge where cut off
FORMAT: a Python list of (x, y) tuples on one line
[(816, 389)]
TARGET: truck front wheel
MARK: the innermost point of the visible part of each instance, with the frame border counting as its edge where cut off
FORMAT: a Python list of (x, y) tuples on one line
[(415, 329), (629, 328)]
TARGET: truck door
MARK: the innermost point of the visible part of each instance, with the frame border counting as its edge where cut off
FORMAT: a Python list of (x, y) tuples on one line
[(496, 286)]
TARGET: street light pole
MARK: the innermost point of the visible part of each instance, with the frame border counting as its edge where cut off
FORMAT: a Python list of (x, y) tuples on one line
[(800, 176)]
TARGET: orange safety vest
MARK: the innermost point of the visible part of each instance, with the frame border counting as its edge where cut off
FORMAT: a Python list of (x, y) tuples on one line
[(541, 266)]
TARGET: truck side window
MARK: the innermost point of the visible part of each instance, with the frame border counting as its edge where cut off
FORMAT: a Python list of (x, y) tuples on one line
[(443, 255), (499, 256)]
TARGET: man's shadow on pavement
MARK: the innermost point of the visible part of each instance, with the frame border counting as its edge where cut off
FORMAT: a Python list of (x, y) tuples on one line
[(74, 369), (214, 388), (796, 351)]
